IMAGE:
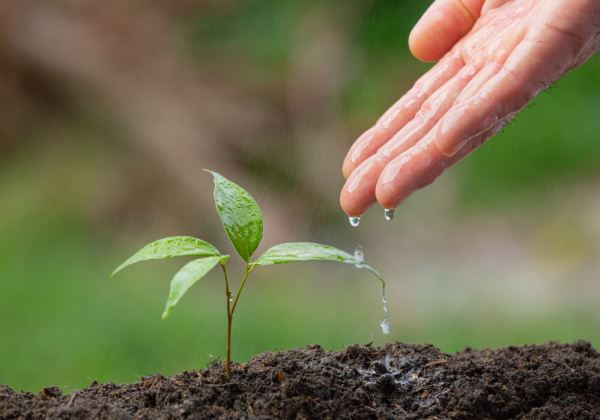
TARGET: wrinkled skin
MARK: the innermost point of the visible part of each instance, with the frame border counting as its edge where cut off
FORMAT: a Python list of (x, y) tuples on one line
[(494, 57)]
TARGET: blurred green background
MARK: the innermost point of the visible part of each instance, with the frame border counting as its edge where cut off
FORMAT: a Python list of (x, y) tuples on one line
[(110, 111)]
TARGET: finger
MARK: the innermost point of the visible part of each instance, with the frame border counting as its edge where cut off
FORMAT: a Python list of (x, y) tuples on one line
[(459, 90), (401, 112), (442, 25), (430, 113), (532, 66), (358, 194), (419, 167)]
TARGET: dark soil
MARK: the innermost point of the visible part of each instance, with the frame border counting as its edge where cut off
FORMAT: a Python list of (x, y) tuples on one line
[(398, 381)]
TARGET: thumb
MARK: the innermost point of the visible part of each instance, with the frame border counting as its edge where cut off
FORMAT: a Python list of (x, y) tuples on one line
[(442, 25)]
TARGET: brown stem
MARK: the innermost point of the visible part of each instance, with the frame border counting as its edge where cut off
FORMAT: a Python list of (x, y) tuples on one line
[(228, 358), (229, 319), (231, 310)]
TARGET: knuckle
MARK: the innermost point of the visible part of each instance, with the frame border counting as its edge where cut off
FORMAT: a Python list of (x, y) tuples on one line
[(425, 111)]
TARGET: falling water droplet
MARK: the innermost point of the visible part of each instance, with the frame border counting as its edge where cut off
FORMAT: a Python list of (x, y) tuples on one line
[(388, 214), (354, 221), (385, 324), (359, 254)]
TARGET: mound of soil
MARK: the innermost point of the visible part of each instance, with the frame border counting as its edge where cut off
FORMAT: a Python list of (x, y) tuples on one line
[(397, 381)]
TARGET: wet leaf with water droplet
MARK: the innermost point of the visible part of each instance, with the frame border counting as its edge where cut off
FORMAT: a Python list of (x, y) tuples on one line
[(188, 276), (175, 246), (310, 251), (240, 215)]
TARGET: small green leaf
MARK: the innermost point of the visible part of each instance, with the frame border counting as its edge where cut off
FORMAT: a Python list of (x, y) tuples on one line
[(188, 276), (240, 215), (309, 251), (175, 246)]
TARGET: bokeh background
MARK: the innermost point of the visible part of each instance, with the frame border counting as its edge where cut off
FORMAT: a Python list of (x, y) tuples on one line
[(109, 111)]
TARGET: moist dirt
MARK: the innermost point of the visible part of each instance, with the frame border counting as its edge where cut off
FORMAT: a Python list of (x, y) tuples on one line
[(550, 381)]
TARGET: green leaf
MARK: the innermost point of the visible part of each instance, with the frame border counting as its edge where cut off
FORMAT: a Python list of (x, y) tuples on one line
[(309, 251), (188, 276), (175, 246), (240, 215)]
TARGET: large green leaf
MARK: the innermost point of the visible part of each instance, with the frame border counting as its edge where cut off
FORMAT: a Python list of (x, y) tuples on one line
[(310, 251), (175, 246), (188, 276), (240, 215)]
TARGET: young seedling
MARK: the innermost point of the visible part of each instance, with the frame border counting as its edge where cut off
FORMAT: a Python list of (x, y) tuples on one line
[(243, 224)]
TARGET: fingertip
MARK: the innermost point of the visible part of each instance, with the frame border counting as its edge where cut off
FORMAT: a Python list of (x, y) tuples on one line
[(412, 170), (439, 29), (351, 206), (358, 193), (385, 200), (422, 48), (387, 191)]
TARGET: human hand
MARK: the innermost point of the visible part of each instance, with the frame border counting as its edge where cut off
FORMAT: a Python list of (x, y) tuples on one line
[(496, 56)]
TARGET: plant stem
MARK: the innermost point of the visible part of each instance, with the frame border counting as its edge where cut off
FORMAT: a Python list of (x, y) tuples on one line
[(231, 310), (229, 320), (239, 291)]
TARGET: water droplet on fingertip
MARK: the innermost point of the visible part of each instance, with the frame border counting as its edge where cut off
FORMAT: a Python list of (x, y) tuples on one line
[(388, 214), (354, 221)]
